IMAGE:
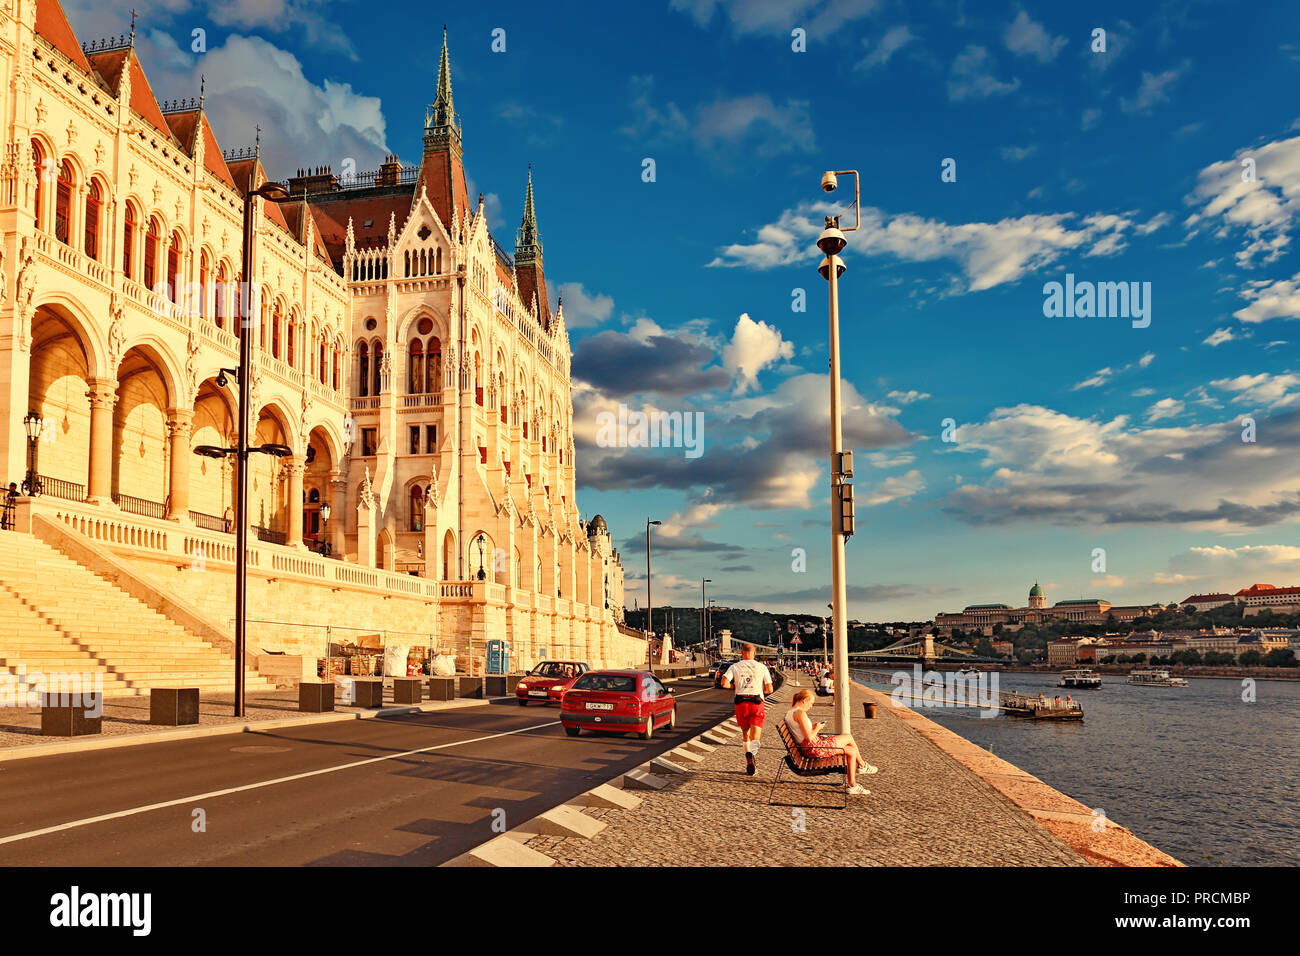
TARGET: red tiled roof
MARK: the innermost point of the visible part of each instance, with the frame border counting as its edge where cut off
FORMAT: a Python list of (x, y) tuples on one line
[(142, 98), (240, 170), (533, 280), (443, 178), (1202, 598), (1256, 589), (109, 67), (53, 25), (332, 218), (212, 158)]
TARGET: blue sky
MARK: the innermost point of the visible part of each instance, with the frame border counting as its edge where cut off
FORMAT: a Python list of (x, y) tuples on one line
[(1072, 433)]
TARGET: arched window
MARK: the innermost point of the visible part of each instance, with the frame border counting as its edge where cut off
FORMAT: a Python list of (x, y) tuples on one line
[(438, 265), (337, 361), (415, 368), (379, 362), (93, 203), (128, 241), (363, 369), (237, 313), (63, 204), (433, 376), (290, 341), (322, 366), (173, 276), (501, 391), (478, 378), (39, 161), (417, 508), (219, 300), (151, 254), (205, 284), (276, 318)]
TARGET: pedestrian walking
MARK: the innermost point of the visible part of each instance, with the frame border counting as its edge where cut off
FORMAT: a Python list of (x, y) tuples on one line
[(752, 682)]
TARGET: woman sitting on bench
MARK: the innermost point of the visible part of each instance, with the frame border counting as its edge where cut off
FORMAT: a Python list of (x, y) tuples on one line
[(817, 746)]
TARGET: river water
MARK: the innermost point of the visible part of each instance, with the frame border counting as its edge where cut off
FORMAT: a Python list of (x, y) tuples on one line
[(1196, 771)]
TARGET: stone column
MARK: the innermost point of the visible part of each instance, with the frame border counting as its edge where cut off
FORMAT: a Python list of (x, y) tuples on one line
[(338, 526), (180, 423), (103, 397), (294, 466), (366, 532)]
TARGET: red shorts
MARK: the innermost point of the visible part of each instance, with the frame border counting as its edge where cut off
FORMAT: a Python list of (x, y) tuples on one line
[(750, 714)]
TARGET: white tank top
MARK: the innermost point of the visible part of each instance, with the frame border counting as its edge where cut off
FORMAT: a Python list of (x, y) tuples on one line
[(793, 724)]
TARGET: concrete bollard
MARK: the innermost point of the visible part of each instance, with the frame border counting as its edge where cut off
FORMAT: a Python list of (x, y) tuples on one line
[(469, 687), (69, 716), (174, 706), (369, 691), (407, 690), (316, 697), (442, 688)]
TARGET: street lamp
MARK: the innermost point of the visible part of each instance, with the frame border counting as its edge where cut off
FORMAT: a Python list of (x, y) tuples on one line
[(272, 191), (482, 575), (832, 242), (325, 512), (704, 601), (649, 606), (34, 425)]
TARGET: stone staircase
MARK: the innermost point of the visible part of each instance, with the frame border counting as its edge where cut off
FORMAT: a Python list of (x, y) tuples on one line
[(57, 616)]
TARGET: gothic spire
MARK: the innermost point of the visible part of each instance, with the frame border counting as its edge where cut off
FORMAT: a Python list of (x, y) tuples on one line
[(528, 243), (442, 115)]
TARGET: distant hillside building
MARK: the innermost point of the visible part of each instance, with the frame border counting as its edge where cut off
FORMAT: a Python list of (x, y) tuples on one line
[(1036, 611)]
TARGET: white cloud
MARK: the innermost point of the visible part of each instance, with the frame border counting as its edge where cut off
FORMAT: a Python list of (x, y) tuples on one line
[(1218, 337), (1262, 390), (894, 40), (753, 347), (1264, 209), (1014, 154), (755, 122), (972, 76), (1097, 379), (894, 488), (1270, 299), (819, 17), (1091, 117), (1165, 408), (1146, 359), (1028, 38), (1236, 568), (252, 81), (1153, 90), (908, 397), (989, 253), (583, 309)]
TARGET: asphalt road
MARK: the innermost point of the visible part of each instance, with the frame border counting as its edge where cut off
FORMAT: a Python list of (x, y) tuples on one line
[(412, 790)]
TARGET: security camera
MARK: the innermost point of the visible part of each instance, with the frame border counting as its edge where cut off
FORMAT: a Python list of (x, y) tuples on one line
[(829, 182)]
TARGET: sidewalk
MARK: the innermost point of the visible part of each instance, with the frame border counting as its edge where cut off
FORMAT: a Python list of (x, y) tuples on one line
[(925, 809), (126, 721)]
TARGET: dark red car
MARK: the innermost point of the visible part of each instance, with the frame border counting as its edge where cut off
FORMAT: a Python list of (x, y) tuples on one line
[(548, 681), (618, 702)]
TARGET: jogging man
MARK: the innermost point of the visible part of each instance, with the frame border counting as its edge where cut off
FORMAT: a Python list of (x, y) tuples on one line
[(752, 681)]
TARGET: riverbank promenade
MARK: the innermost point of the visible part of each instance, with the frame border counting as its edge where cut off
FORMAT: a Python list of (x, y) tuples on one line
[(938, 800)]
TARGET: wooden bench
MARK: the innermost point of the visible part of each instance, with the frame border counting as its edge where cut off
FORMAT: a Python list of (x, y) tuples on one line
[(802, 765)]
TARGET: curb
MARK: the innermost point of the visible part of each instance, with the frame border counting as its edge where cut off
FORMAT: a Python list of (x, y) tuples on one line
[(238, 727), (509, 848)]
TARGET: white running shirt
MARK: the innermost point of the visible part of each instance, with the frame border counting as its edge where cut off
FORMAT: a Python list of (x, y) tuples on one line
[(748, 678)]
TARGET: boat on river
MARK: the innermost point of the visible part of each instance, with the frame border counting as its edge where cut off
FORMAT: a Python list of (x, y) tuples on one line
[(1080, 677), (1155, 677)]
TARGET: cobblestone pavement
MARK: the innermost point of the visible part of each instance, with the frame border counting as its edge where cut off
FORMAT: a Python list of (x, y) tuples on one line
[(925, 809)]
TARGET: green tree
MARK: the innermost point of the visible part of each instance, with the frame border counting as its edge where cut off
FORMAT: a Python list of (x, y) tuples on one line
[(1251, 658), (1280, 657)]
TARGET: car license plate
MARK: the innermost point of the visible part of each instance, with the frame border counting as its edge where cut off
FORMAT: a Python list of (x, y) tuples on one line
[(600, 706), (537, 693)]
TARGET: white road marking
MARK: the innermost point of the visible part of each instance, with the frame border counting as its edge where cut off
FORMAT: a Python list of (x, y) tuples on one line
[(211, 794)]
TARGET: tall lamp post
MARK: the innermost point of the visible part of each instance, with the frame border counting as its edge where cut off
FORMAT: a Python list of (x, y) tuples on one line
[(832, 242), (649, 605), (272, 191), (34, 424), (704, 601)]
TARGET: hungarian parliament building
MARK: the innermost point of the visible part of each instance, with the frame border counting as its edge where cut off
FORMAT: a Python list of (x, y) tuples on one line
[(414, 372)]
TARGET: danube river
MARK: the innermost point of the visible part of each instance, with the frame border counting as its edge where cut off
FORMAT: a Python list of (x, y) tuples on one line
[(1196, 771)]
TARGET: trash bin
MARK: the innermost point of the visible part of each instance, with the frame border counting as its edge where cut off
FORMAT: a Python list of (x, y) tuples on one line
[(868, 710)]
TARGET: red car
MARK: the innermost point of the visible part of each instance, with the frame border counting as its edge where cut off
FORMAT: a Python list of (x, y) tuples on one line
[(548, 681), (619, 702)]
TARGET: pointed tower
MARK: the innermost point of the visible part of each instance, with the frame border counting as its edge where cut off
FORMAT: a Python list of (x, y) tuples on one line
[(528, 260), (442, 170)]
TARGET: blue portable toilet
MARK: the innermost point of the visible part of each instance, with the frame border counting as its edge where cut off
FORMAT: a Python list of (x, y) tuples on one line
[(498, 657)]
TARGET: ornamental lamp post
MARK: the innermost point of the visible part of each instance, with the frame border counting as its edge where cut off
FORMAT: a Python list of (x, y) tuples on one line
[(34, 425), (832, 242), (649, 604), (274, 192), (325, 512), (482, 543)]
